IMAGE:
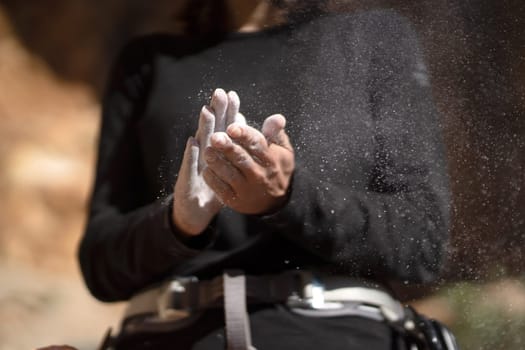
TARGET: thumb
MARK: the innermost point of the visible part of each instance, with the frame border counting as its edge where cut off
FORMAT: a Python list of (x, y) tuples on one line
[(272, 126), (273, 130), (190, 163)]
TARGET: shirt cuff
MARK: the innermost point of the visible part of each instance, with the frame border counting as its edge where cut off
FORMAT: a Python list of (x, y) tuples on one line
[(190, 246)]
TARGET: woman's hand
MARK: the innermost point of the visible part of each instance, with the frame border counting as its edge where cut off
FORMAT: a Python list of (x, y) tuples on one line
[(194, 203), (250, 171)]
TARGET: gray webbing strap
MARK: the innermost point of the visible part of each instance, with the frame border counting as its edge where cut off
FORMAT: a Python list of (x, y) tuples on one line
[(238, 336)]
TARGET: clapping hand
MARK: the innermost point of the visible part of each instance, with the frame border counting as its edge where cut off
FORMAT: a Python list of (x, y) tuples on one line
[(250, 171), (194, 203)]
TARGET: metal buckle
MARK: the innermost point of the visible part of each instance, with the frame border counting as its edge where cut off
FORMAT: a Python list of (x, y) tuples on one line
[(312, 294), (178, 299)]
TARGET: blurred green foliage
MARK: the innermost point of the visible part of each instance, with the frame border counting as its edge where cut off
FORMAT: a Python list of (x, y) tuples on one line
[(487, 316)]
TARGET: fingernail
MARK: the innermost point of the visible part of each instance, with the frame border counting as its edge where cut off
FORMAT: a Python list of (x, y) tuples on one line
[(217, 92), (232, 95), (234, 131)]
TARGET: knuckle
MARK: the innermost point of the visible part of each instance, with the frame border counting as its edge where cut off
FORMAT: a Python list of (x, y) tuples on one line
[(260, 177), (272, 172), (240, 156), (241, 159), (254, 146), (231, 148)]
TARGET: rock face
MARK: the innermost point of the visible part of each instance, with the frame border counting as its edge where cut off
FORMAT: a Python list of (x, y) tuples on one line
[(47, 143), (78, 38), (46, 151)]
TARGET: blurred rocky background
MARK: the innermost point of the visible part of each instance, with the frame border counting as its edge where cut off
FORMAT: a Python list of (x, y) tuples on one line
[(54, 56)]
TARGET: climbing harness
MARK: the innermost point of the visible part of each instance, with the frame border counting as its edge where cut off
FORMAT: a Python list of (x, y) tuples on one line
[(178, 302)]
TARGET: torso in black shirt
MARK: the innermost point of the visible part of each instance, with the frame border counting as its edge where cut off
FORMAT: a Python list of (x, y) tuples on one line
[(369, 196)]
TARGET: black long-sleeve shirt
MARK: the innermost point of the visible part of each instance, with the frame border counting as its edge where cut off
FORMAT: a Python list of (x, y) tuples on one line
[(369, 195)]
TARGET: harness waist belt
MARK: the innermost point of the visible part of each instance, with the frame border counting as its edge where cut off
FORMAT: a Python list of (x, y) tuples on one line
[(301, 291), (180, 301)]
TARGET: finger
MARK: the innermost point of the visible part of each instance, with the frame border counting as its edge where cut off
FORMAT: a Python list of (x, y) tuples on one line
[(240, 119), (250, 139), (222, 190), (206, 126), (233, 107), (237, 155), (222, 167), (219, 104), (283, 140), (189, 167), (273, 130), (272, 126)]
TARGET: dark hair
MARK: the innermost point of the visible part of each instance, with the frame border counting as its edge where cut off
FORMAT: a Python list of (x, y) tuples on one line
[(307, 10), (301, 6), (202, 18), (210, 18)]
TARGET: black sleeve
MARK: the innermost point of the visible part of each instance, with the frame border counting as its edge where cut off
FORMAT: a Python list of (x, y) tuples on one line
[(396, 227), (128, 242)]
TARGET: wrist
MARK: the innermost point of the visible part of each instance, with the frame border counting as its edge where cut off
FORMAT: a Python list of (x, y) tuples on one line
[(190, 219), (193, 241), (185, 229)]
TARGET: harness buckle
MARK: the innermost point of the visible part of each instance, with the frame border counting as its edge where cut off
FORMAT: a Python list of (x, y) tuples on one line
[(178, 299), (311, 294)]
